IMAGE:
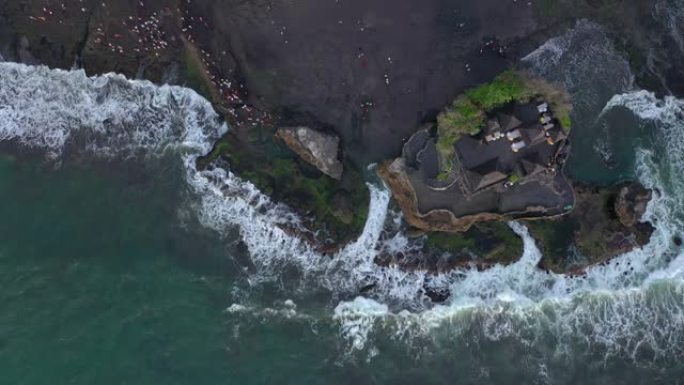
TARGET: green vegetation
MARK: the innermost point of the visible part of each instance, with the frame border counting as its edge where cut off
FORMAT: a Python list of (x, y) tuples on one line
[(443, 176), (491, 242), (461, 118), (467, 114), (338, 207), (565, 122), (450, 242), (508, 87), (193, 73), (554, 237), (514, 178), (556, 96)]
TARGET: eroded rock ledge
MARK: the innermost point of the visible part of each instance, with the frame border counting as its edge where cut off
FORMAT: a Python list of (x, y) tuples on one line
[(317, 148), (605, 223)]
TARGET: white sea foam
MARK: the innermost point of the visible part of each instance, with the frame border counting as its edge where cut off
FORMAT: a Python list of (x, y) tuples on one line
[(45, 108), (614, 306), (110, 116), (585, 62)]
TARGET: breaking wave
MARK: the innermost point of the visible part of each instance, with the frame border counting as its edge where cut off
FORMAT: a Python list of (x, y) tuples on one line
[(633, 305), (114, 116)]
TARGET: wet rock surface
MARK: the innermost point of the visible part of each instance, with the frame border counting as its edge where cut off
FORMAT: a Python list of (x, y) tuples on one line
[(317, 148), (605, 223), (482, 246)]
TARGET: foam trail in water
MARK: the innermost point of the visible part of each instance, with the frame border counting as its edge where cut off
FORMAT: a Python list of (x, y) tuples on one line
[(110, 116), (613, 304)]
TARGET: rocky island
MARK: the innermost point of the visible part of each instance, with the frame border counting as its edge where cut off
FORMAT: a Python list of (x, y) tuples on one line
[(497, 154)]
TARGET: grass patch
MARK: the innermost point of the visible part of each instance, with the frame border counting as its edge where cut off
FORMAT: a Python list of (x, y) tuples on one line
[(463, 117), (557, 97), (467, 114), (443, 176)]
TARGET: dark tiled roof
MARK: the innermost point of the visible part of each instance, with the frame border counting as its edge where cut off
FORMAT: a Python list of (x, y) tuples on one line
[(490, 179), (508, 122)]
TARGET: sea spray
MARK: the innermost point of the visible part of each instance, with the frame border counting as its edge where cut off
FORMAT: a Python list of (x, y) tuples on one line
[(661, 169), (585, 62)]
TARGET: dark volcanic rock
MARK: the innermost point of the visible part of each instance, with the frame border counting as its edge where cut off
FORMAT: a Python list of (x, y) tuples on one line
[(605, 223), (481, 247), (374, 70), (631, 202), (371, 70)]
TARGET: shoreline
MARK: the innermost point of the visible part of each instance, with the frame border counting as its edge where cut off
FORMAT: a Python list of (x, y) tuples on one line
[(364, 74)]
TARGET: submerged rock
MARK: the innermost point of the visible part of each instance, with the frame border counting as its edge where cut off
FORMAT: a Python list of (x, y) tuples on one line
[(317, 148)]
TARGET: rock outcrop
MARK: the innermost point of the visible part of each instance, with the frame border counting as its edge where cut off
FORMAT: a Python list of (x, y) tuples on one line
[(394, 174), (631, 202), (317, 148), (606, 222)]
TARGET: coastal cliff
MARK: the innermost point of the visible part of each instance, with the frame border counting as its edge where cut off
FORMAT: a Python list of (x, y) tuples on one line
[(394, 175)]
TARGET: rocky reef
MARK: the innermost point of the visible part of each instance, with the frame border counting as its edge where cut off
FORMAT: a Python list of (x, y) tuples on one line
[(483, 245), (167, 42), (606, 222), (318, 149)]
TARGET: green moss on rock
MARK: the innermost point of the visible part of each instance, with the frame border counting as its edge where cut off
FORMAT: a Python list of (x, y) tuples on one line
[(554, 237), (339, 208), (509, 86), (489, 242), (193, 73)]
